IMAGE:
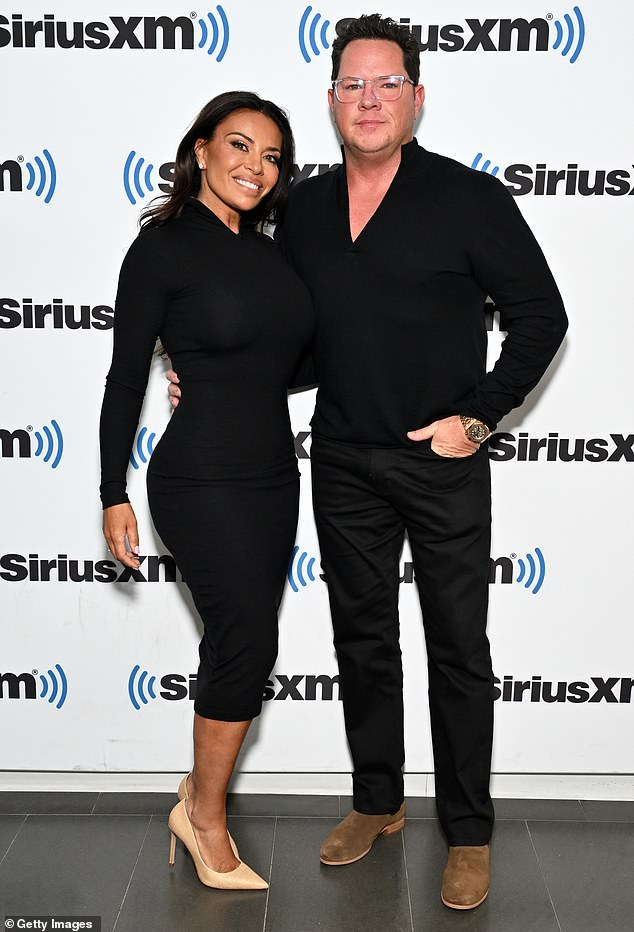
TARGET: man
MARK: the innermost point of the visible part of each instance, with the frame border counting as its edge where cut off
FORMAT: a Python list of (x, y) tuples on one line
[(399, 248)]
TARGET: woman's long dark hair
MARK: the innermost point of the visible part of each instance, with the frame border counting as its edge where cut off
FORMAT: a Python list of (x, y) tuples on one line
[(187, 173)]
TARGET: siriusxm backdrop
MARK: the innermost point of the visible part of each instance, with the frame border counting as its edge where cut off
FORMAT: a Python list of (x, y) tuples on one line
[(97, 667)]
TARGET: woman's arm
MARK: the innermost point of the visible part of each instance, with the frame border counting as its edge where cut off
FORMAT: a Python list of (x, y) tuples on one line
[(140, 307)]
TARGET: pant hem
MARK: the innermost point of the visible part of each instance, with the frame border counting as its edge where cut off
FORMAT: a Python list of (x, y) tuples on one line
[(223, 716)]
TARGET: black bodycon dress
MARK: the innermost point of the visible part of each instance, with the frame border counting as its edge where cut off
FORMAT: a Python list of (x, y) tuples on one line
[(223, 483)]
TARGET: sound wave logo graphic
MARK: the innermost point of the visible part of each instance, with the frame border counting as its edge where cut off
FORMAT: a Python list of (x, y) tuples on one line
[(485, 166), (296, 569), (50, 444), (576, 33), (135, 174), (54, 686), (310, 31), (532, 572), (45, 177), (144, 448), (140, 687), (212, 33)]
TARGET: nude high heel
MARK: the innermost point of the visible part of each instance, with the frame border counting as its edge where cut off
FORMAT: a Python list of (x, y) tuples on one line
[(183, 794), (182, 787), (242, 878)]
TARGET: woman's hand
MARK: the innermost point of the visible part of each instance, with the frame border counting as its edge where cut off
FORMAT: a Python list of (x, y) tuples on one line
[(119, 522), (173, 390)]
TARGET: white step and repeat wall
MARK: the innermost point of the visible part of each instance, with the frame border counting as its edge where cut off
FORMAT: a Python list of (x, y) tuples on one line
[(97, 665)]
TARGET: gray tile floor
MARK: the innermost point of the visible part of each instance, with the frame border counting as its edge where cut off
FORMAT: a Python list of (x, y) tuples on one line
[(557, 866)]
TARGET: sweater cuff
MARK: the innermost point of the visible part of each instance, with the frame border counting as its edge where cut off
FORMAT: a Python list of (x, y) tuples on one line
[(113, 493)]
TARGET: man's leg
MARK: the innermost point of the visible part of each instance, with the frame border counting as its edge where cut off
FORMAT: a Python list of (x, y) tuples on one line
[(360, 538), (448, 519), (446, 506)]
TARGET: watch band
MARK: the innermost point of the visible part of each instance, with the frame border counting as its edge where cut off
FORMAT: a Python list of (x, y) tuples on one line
[(475, 430)]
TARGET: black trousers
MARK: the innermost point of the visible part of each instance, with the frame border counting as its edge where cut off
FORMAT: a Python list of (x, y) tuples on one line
[(364, 501), (232, 541)]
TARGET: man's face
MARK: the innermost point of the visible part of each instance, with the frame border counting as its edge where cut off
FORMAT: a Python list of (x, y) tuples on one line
[(370, 126)]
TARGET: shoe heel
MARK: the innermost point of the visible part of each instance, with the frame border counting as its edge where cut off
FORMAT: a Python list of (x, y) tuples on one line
[(182, 787), (394, 827), (172, 848)]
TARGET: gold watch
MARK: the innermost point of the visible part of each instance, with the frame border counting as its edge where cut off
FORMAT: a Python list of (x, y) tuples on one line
[(476, 431)]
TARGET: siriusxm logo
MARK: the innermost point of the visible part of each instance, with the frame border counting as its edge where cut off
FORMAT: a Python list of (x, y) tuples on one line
[(302, 687), (141, 177), (143, 448), (504, 446), (208, 32), (566, 36), (41, 175), (140, 687), (211, 35), (138, 179), (301, 569), (311, 43), (17, 567), (553, 448), (484, 166), (52, 686), (300, 439), (540, 180), (56, 315), (49, 443), (528, 571), (301, 172), (145, 687), (611, 689)]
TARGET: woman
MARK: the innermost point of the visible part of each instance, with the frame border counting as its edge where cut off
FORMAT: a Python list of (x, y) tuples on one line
[(223, 483)]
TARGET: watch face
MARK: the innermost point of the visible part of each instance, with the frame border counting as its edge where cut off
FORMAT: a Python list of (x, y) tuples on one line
[(478, 433)]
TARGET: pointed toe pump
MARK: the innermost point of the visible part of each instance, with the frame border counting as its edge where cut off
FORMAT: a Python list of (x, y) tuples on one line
[(242, 878)]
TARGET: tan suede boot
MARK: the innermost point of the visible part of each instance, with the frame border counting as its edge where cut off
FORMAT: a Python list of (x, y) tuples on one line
[(465, 883), (352, 839)]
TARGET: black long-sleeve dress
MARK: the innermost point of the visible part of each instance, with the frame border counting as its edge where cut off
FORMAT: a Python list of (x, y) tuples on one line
[(223, 483)]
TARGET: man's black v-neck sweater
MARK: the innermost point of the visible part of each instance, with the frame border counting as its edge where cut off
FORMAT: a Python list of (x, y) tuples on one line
[(401, 334)]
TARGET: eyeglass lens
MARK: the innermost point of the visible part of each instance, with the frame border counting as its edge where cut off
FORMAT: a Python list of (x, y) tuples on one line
[(385, 87)]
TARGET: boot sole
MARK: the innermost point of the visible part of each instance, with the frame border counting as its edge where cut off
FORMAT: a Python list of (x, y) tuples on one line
[(471, 906), (388, 830)]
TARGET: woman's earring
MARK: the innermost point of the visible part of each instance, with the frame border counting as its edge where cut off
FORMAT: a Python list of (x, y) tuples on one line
[(200, 165)]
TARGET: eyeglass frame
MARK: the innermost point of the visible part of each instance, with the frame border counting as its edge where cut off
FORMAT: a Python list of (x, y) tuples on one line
[(363, 82)]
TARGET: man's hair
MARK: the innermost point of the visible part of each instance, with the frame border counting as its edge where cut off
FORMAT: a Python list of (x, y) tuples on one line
[(375, 26)]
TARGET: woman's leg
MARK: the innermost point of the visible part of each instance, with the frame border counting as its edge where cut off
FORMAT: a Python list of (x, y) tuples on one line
[(220, 535), (216, 747)]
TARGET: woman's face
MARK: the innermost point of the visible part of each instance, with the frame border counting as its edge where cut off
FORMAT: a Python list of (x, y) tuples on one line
[(240, 163)]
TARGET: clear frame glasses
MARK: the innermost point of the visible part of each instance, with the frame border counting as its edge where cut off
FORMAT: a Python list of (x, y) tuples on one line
[(385, 87)]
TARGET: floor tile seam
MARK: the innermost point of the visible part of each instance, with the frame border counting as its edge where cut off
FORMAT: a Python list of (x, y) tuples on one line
[(276, 815), (88, 815), (578, 821), (19, 829), (541, 871), (587, 820), (530, 818), (597, 821), (132, 872), (409, 898), (590, 818), (268, 892)]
